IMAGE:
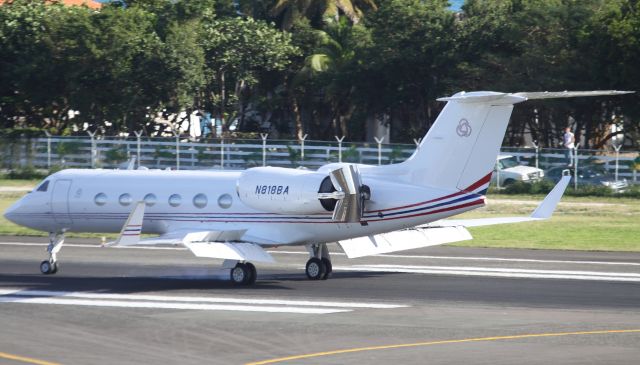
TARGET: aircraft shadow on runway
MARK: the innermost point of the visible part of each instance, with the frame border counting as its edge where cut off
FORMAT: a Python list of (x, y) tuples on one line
[(142, 283)]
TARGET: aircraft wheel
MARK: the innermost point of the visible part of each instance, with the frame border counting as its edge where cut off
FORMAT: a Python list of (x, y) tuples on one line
[(315, 269), (47, 267), (328, 268), (240, 274), (253, 274)]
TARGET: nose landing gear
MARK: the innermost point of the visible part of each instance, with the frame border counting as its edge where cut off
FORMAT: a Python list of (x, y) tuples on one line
[(50, 266)]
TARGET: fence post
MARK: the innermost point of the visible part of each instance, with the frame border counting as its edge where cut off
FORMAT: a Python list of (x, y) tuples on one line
[(339, 147), (177, 135), (575, 167), (617, 148), (498, 173), (138, 144), (537, 153), (379, 141), (302, 147), (48, 149), (264, 148), (221, 154), (93, 149), (417, 142)]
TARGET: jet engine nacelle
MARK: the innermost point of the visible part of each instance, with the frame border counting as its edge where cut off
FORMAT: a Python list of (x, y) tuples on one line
[(284, 191)]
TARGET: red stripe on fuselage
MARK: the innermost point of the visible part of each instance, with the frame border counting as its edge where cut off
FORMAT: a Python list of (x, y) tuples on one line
[(471, 188)]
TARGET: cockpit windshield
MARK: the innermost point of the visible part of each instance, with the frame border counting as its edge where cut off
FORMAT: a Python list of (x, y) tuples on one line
[(44, 186)]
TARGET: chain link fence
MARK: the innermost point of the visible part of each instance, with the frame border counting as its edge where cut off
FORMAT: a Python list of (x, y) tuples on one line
[(52, 153)]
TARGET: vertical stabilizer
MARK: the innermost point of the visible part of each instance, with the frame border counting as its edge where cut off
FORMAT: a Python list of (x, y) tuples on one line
[(461, 147)]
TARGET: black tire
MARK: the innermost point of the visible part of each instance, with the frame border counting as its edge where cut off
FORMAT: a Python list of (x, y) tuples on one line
[(240, 274), (253, 274), (508, 182), (328, 268), (46, 267), (315, 269)]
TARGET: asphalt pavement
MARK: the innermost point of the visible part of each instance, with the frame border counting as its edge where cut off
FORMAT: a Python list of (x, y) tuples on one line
[(439, 305)]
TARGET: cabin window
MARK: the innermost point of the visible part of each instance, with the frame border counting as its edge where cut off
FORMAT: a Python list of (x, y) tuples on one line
[(225, 201), (100, 199), (44, 186), (200, 200), (125, 199), (174, 200), (150, 200)]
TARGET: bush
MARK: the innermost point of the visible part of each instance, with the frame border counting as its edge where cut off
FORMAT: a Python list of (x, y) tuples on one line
[(25, 173), (545, 186)]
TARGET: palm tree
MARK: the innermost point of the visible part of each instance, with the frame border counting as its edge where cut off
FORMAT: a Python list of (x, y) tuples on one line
[(330, 69), (318, 10)]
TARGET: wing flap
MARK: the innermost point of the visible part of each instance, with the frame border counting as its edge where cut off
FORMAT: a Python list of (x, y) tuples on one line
[(402, 240), (239, 251)]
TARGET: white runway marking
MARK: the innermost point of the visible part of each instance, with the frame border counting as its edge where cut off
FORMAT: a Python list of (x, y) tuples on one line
[(184, 302), (467, 258), (497, 272)]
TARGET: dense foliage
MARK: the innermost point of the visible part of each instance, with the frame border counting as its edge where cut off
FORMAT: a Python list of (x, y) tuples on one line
[(326, 68)]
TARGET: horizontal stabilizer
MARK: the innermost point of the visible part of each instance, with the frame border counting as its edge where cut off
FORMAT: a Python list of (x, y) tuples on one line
[(239, 251), (402, 240), (514, 98), (569, 94)]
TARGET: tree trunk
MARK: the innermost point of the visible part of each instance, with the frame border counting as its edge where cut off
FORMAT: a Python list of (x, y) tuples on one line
[(223, 100), (298, 118)]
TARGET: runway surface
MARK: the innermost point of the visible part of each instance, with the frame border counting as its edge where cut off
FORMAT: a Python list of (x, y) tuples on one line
[(440, 305)]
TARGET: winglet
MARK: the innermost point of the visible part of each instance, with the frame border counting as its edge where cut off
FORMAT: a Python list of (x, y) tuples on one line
[(550, 202), (130, 233)]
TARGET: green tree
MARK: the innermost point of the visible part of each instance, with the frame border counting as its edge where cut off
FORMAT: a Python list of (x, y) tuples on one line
[(236, 52), (317, 11), (332, 69), (409, 63)]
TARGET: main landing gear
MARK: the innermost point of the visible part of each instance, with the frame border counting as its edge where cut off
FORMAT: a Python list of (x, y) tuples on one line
[(319, 265), (243, 273), (50, 266)]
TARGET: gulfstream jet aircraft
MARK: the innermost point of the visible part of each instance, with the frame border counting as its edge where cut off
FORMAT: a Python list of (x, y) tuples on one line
[(235, 215)]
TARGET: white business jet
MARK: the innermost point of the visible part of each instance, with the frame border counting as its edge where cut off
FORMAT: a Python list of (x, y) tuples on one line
[(235, 215)]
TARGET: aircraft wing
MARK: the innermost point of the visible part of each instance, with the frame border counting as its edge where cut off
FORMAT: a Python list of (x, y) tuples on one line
[(444, 231), (402, 240), (227, 245), (544, 211)]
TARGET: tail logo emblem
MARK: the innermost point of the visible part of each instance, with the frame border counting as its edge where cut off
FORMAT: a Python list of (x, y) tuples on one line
[(464, 128)]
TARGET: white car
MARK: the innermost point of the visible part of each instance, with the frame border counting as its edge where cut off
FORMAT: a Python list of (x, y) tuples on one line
[(508, 170)]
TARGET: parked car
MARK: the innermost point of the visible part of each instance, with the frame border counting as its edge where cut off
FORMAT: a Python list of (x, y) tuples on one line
[(590, 175), (509, 170)]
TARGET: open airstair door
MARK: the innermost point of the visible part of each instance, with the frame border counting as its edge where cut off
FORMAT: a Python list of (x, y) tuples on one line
[(402, 240)]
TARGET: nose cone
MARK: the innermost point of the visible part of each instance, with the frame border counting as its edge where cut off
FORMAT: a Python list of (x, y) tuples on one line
[(11, 213)]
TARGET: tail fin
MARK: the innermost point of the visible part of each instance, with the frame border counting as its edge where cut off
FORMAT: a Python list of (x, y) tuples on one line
[(461, 148)]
